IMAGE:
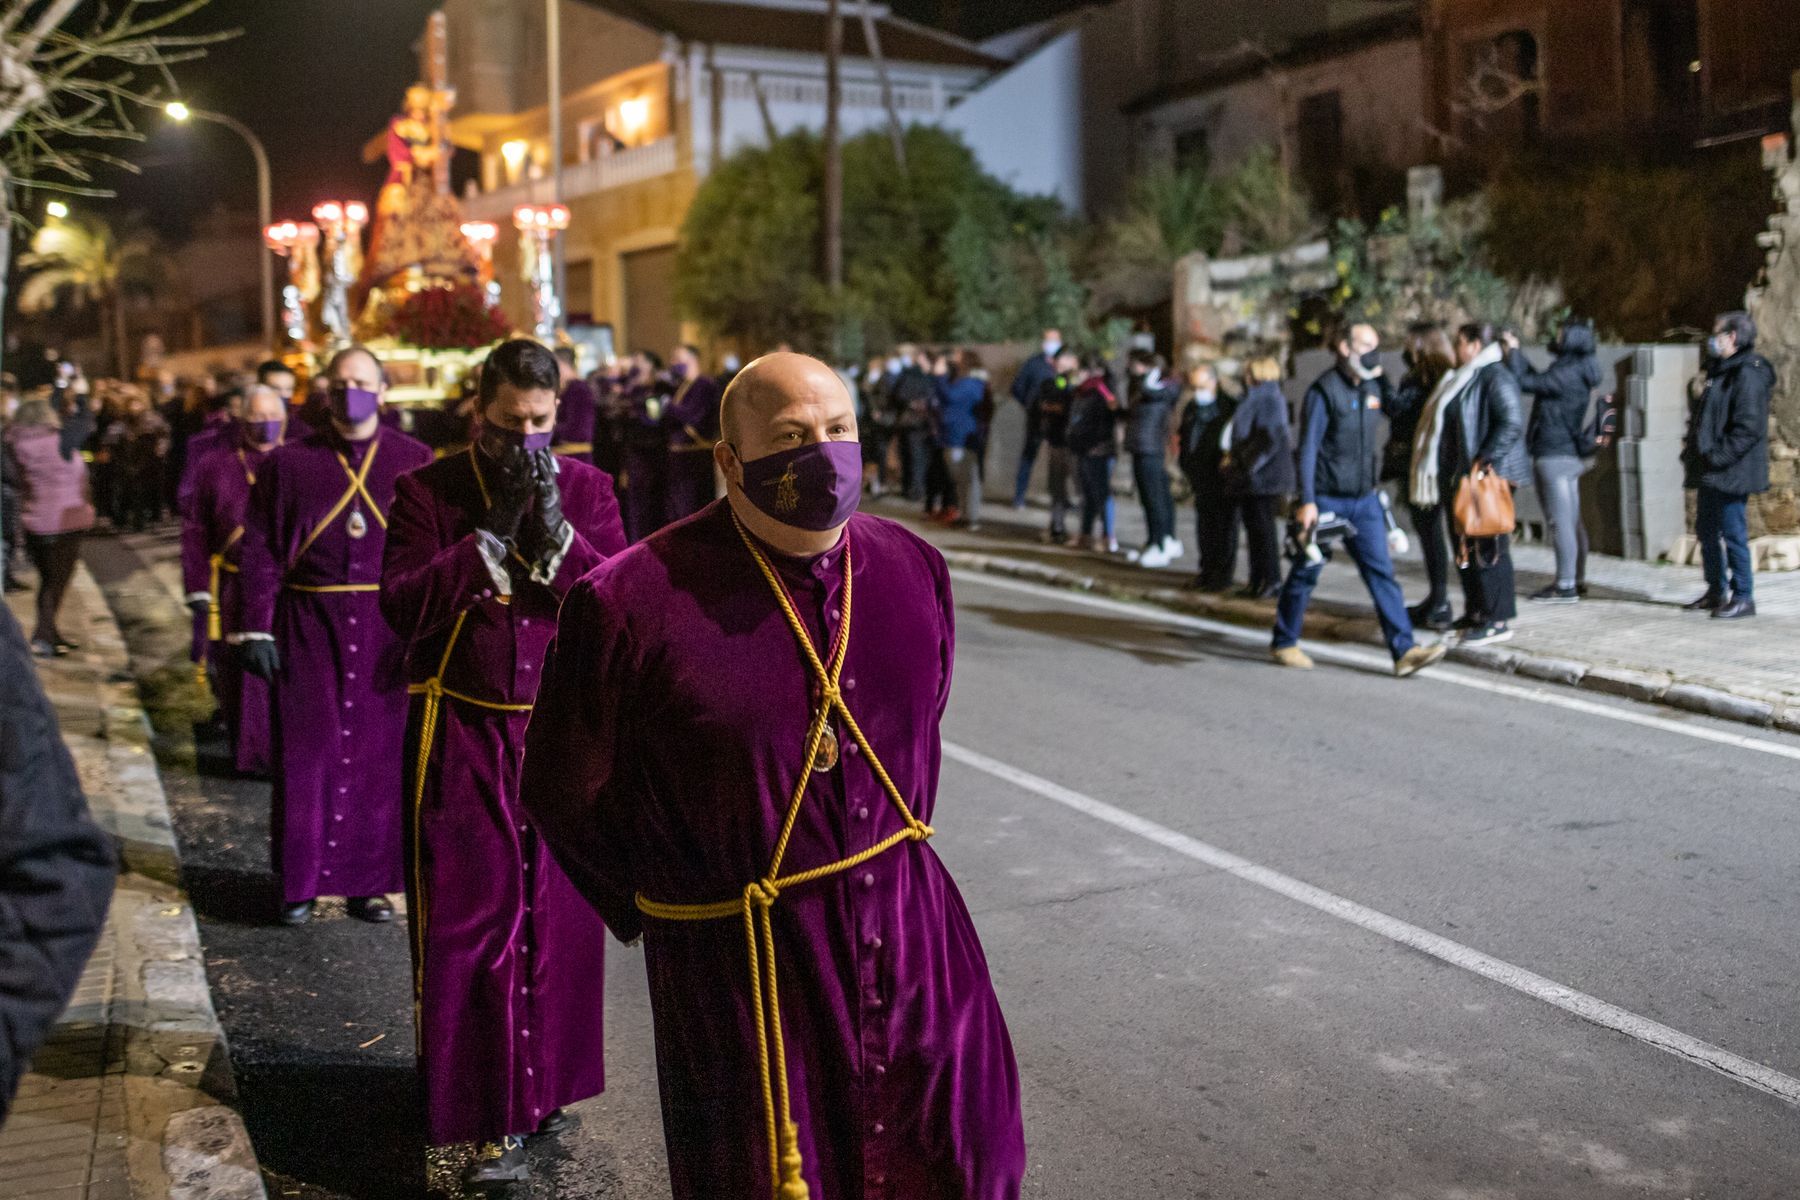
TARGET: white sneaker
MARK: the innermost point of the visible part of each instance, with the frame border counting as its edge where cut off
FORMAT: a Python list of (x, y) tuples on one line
[(1130, 555), (1154, 557), (1173, 548), (1112, 545)]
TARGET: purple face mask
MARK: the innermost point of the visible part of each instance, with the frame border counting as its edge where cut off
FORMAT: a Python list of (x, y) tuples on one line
[(263, 433), (501, 441), (352, 405), (813, 487)]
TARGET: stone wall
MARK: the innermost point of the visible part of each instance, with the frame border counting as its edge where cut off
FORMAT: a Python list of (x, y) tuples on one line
[(1775, 305)]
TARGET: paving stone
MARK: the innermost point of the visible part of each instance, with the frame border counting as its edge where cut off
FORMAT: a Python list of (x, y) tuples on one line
[(1715, 703), (1552, 670), (1618, 681)]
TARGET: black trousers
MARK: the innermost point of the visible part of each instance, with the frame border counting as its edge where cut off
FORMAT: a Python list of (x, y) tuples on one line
[(54, 555), (1216, 536), (1152, 477), (1428, 525), (1262, 540), (1487, 579)]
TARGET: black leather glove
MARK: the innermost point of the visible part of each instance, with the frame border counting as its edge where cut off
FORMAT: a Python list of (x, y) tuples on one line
[(542, 532), (200, 608), (260, 658), (510, 485)]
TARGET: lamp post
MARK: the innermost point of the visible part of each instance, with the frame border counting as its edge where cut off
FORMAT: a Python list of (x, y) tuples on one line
[(538, 225), (181, 113), (482, 235)]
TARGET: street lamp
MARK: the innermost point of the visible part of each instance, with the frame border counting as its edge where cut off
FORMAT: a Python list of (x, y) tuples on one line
[(180, 113), (538, 225)]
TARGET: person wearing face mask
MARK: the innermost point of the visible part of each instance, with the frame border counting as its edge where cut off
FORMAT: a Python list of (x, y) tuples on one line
[(1199, 432), (1725, 457), (481, 549), (1339, 463), (644, 447), (691, 418), (576, 408), (312, 628), (735, 756), (1025, 385), (1562, 445), (1148, 422), (212, 531)]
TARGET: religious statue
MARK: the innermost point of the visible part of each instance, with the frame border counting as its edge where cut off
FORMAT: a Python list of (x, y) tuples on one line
[(417, 239)]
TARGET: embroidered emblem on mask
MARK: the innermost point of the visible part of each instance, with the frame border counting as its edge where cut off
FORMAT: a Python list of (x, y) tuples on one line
[(787, 491)]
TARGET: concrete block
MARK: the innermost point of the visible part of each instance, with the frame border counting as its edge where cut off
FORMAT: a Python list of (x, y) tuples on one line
[(1618, 681), (1491, 658), (1788, 719), (1715, 703), (1552, 670)]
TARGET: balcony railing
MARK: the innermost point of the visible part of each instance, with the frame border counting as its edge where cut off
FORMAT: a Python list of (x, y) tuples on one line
[(579, 179)]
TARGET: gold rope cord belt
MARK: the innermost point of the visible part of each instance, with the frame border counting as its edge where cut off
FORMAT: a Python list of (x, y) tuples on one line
[(572, 448), (215, 627), (331, 589), (759, 897), (434, 691), (358, 487)]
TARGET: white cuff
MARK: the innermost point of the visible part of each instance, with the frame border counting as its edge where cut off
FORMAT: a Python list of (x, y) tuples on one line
[(493, 553), (197, 598), (545, 572), (238, 639)]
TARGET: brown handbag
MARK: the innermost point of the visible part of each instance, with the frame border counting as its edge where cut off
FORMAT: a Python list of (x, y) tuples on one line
[(1483, 507)]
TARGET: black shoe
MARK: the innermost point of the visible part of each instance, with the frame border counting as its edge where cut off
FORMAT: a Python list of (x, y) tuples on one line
[(297, 914), (1469, 621), (1267, 592), (1739, 608), (1426, 615), (374, 909), (1556, 595), (554, 1122), (1488, 634), (496, 1165), (1706, 603)]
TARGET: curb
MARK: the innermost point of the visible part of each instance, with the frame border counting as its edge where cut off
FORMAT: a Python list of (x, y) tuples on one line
[(1649, 687), (188, 1139)]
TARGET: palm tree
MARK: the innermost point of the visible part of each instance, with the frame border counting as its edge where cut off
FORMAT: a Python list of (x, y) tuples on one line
[(83, 262)]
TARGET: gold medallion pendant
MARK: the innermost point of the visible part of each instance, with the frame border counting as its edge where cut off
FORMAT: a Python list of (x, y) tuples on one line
[(827, 757), (356, 527)]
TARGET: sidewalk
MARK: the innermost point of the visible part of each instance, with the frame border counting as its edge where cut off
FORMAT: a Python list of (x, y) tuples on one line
[(1628, 638), (132, 1096)]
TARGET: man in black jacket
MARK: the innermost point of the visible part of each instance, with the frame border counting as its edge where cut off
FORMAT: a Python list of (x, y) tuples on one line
[(1032, 374), (1340, 467), (1726, 459), (56, 866)]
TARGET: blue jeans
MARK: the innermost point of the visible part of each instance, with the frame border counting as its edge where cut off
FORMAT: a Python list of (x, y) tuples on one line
[(1369, 551), (1724, 533), (1027, 460)]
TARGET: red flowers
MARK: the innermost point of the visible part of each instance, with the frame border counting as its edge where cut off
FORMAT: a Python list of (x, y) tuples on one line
[(448, 318)]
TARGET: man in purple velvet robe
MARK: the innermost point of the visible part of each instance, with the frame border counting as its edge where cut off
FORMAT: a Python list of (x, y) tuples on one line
[(692, 418), (311, 572), (481, 549), (835, 1037), (575, 411), (219, 430), (212, 530), (643, 448)]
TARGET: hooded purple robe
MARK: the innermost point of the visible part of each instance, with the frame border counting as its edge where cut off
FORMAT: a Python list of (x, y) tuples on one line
[(668, 733), (692, 419), (507, 956), (340, 698), (218, 432), (216, 494)]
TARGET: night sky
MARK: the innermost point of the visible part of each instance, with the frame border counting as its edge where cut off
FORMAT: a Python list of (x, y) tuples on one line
[(315, 79)]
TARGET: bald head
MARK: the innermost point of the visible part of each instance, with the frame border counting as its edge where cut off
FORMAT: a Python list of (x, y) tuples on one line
[(783, 400)]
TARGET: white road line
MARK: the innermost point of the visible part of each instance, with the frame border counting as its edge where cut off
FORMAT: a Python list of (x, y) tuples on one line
[(1360, 656), (1588, 1008)]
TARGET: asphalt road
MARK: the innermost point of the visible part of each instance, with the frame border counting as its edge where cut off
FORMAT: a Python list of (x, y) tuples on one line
[(1257, 933)]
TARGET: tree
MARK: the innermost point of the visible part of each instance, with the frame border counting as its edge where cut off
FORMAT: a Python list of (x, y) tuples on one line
[(917, 246), (67, 92), (83, 263)]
